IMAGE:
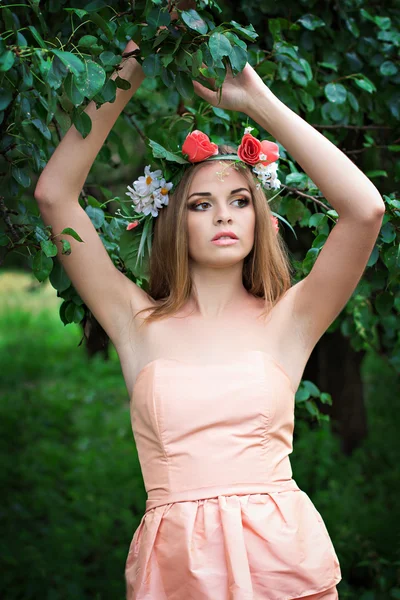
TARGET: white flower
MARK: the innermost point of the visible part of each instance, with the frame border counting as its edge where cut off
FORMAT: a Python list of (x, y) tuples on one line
[(267, 174), (147, 183), (262, 156), (161, 197), (248, 130), (150, 192)]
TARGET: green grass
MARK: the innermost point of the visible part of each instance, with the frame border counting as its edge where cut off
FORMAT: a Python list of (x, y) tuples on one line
[(72, 493)]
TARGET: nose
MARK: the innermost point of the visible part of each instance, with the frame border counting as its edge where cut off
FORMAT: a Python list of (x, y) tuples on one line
[(224, 215)]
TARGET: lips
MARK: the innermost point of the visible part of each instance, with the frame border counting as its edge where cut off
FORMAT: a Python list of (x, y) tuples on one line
[(229, 234)]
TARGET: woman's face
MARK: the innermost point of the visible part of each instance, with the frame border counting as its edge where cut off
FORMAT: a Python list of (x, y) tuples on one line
[(213, 206)]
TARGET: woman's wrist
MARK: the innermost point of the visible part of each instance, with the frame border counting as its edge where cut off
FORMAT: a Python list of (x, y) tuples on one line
[(129, 68), (263, 108)]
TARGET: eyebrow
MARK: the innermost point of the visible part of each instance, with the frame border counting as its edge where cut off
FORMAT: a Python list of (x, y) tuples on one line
[(209, 193)]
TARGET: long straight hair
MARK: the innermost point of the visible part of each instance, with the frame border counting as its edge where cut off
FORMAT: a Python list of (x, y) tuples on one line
[(266, 269)]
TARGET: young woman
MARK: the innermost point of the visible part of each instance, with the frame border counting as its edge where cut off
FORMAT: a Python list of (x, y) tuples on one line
[(213, 356)]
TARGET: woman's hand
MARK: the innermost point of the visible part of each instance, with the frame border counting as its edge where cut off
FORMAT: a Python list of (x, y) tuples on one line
[(238, 93)]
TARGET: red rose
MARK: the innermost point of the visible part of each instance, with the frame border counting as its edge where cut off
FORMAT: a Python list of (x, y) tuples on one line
[(271, 151), (249, 149), (275, 223), (198, 146), (132, 225)]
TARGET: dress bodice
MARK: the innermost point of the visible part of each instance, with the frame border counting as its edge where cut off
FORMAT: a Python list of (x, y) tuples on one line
[(240, 414), (224, 518)]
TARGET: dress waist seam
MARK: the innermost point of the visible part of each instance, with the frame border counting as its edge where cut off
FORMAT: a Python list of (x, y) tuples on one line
[(156, 499)]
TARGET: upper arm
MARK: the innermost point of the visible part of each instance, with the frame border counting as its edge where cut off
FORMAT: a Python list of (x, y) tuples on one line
[(324, 292), (110, 295)]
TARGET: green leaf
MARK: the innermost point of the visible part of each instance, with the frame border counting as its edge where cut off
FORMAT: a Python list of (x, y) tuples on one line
[(108, 91), (21, 176), (66, 247), (109, 58), (238, 59), (41, 265), (311, 22), (92, 80), (83, 123), (384, 303), (95, 5), (80, 12), (4, 239), (122, 84), (248, 32), (161, 152), (166, 60), (184, 85), (7, 60), (299, 78), (158, 18), (73, 93), (373, 257), (152, 65), (59, 278), (388, 233), (336, 92), (197, 61), (194, 21), (219, 46), (129, 244), (72, 232), (42, 127), (74, 313), (167, 77), (96, 215), (221, 113), (365, 84), (107, 28), (71, 61), (388, 68), (5, 98), (49, 248), (235, 40), (87, 41), (37, 36)]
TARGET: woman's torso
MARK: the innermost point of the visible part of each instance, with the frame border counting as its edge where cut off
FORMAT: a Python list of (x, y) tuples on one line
[(191, 338)]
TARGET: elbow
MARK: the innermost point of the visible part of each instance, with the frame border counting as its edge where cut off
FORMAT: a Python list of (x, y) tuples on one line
[(376, 210), (380, 209), (41, 193)]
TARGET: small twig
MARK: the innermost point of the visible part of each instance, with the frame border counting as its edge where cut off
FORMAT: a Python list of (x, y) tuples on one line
[(56, 125), (317, 126), (84, 196), (360, 150), (10, 147), (300, 193), (5, 213), (140, 132)]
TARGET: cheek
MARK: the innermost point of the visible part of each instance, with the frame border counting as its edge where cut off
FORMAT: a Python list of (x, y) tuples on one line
[(195, 230)]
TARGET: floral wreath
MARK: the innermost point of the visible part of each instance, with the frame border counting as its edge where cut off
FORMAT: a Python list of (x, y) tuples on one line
[(150, 192)]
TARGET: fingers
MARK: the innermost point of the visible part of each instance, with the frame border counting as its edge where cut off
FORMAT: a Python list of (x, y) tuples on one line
[(207, 95)]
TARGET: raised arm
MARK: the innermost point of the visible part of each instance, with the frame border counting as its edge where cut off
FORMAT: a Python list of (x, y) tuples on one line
[(68, 168), (323, 293), (109, 294)]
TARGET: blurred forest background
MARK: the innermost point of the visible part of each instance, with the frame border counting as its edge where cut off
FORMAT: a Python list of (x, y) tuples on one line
[(71, 487)]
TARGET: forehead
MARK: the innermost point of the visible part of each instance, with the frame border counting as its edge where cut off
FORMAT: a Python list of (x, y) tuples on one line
[(217, 177)]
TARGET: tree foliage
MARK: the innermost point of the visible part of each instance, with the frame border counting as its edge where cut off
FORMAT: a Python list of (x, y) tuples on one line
[(337, 67)]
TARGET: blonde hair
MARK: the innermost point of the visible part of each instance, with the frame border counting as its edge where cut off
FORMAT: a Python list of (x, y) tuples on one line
[(266, 269)]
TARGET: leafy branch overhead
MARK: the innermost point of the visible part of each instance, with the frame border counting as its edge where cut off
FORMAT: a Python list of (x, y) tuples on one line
[(338, 69)]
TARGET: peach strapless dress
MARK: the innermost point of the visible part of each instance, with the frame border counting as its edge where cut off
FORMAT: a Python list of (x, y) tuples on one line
[(224, 518)]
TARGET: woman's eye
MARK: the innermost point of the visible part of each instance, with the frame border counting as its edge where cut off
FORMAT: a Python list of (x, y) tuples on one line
[(245, 200)]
